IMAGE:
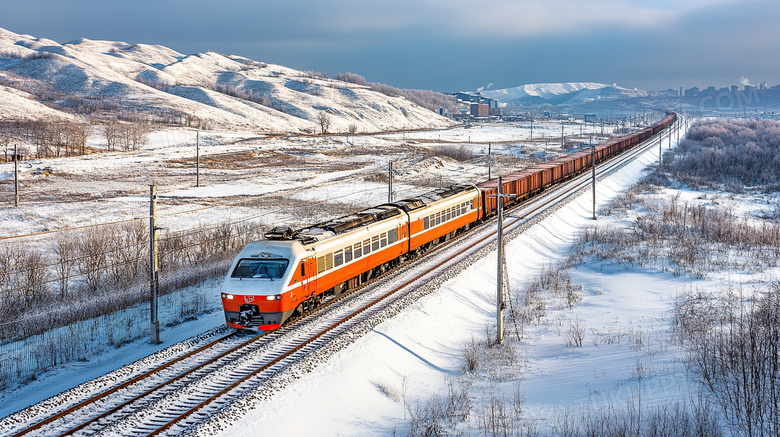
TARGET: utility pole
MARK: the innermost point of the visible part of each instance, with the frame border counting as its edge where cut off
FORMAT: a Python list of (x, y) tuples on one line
[(197, 159), (16, 176), (660, 144), (390, 182), (500, 270), (532, 131), (563, 144), (153, 280), (489, 161), (593, 162)]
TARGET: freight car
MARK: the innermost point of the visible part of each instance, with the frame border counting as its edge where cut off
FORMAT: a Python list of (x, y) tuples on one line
[(293, 271)]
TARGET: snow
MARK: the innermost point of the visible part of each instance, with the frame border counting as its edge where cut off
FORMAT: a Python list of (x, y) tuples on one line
[(423, 346), (560, 91), (144, 76), (105, 359)]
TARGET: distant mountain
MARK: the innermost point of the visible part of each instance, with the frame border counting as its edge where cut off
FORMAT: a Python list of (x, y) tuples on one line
[(40, 78), (562, 94)]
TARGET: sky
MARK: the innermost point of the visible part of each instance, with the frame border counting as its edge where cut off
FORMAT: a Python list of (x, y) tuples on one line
[(446, 45)]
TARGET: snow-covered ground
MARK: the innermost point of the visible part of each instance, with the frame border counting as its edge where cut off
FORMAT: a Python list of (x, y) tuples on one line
[(240, 166), (416, 352), (419, 350)]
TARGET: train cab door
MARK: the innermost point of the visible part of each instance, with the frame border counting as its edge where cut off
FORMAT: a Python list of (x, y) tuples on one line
[(309, 275)]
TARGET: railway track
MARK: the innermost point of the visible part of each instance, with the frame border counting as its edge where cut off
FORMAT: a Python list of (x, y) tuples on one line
[(170, 398)]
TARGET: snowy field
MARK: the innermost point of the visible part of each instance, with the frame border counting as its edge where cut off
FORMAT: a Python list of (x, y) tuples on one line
[(420, 351), (409, 360), (236, 168)]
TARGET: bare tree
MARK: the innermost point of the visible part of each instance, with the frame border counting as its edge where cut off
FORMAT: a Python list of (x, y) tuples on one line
[(66, 248), (111, 131), (323, 119)]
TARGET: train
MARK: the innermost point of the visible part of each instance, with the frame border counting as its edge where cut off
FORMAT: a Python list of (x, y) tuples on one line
[(295, 270)]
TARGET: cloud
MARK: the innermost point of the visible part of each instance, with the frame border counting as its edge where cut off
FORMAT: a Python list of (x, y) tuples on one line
[(744, 81)]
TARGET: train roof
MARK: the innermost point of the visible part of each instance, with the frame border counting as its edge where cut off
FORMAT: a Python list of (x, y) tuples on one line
[(340, 225)]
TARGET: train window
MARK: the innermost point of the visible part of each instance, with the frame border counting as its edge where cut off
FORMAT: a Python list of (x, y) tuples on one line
[(358, 250), (383, 239), (367, 246), (448, 212), (457, 211), (432, 219), (260, 268), (471, 206), (303, 269), (338, 258), (438, 218), (392, 236), (320, 264), (426, 223), (464, 206), (348, 254), (375, 243), (329, 261)]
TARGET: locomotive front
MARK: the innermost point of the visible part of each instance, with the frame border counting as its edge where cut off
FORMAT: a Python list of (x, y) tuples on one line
[(260, 288)]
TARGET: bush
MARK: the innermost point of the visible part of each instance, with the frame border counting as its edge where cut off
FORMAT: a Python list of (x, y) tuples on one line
[(729, 153), (732, 345)]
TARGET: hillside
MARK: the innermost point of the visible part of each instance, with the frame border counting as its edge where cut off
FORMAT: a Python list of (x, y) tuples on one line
[(40, 78), (562, 93)]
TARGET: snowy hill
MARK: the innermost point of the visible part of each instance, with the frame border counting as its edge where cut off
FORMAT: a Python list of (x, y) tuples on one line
[(562, 93), (42, 78)]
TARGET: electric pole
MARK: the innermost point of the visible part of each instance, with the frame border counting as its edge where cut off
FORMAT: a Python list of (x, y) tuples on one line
[(197, 159), (562, 137), (500, 269), (593, 162), (153, 280), (390, 182), (16, 176), (489, 162)]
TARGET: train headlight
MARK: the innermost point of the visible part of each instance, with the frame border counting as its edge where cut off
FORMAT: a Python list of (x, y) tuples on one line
[(227, 296), (276, 297)]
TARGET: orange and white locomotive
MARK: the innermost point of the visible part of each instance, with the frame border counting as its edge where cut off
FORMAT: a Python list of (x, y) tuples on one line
[(292, 271)]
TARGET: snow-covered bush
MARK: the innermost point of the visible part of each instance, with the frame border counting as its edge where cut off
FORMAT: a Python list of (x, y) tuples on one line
[(732, 154), (733, 348)]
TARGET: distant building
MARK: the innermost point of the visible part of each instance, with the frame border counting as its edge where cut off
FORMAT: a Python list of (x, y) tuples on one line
[(475, 98), (480, 110), (663, 93), (589, 117), (692, 92)]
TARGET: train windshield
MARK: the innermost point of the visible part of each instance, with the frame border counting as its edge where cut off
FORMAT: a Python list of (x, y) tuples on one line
[(260, 268)]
